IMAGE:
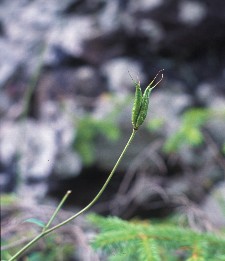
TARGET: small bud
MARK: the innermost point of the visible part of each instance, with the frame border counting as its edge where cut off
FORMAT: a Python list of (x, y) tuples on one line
[(141, 102)]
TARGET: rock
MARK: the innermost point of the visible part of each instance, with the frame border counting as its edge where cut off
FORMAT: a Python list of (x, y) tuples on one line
[(191, 12), (168, 106), (214, 204), (84, 81), (9, 62), (33, 191), (8, 175), (215, 102), (205, 93), (144, 5), (61, 121), (4, 103), (72, 35), (110, 19), (41, 146), (216, 126), (1, 29), (118, 73), (68, 164), (35, 145)]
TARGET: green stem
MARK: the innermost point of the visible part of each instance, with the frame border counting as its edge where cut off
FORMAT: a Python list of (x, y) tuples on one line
[(47, 231), (57, 210), (27, 246)]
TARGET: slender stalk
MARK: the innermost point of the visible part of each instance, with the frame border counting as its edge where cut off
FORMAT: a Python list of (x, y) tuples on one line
[(101, 190), (57, 210), (47, 230), (27, 246)]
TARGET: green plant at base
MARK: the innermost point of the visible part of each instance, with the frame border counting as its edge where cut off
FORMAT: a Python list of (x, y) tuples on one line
[(139, 114), (123, 240)]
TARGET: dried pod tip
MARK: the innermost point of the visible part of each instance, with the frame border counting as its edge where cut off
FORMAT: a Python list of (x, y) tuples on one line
[(152, 82)]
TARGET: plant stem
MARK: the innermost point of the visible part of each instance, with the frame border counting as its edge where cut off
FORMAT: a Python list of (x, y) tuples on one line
[(101, 190), (27, 246), (49, 230), (57, 210)]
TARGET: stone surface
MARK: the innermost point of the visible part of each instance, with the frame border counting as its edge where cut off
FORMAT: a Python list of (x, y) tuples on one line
[(33, 143), (9, 62), (68, 164), (118, 73), (214, 204), (168, 106)]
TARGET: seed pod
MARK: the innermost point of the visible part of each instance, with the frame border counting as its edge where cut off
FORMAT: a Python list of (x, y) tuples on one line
[(140, 107), (137, 104), (144, 107)]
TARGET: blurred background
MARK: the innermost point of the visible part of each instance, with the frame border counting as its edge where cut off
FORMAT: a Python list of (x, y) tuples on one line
[(66, 93)]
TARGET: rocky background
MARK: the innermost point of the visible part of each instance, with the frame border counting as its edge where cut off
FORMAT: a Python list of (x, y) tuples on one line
[(66, 96)]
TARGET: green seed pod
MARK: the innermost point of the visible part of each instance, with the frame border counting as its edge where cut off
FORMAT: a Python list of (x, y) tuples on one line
[(144, 107), (140, 107), (137, 104)]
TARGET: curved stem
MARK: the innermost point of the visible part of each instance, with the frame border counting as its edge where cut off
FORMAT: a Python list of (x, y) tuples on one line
[(49, 230), (101, 190), (27, 246)]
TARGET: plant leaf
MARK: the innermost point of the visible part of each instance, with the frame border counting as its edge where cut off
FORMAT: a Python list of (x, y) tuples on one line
[(35, 221)]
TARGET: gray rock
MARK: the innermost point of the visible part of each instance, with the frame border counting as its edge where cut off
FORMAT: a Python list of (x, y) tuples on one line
[(168, 107), (72, 34), (35, 145), (83, 82), (61, 121), (216, 128), (214, 204), (32, 192), (4, 103), (216, 124), (205, 93), (144, 5), (38, 144), (117, 73), (68, 164), (191, 12), (110, 17), (9, 62)]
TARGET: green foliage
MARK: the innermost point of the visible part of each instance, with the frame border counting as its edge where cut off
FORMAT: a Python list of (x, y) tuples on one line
[(223, 149), (5, 255), (88, 130), (155, 124), (49, 253), (8, 200), (189, 132), (123, 240)]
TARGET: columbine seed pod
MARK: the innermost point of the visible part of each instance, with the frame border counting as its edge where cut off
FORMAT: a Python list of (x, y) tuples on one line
[(141, 103), (144, 107), (137, 104)]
